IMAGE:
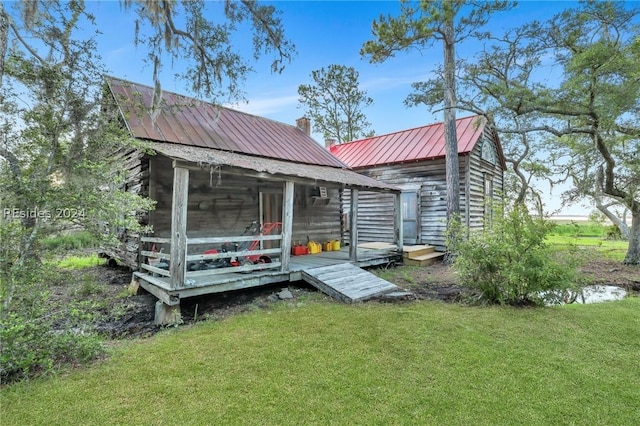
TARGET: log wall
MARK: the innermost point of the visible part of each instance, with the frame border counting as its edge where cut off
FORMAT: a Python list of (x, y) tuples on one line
[(376, 210)]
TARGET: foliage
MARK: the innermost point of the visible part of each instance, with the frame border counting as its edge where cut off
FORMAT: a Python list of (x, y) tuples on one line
[(70, 241), (334, 103), (599, 95), (37, 337), (200, 35), (79, 262), (510, 263), (58, 170), (328, 363), (419, 26), (583, 123)]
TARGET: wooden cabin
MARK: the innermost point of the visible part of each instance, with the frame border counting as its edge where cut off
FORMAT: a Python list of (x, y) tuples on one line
[(414, 161), (236, 195)]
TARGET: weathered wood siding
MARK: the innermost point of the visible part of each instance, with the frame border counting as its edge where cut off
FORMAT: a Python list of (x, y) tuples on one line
[(314, 218), (375, 215), (481, 171), (224, 204), (136, 167)]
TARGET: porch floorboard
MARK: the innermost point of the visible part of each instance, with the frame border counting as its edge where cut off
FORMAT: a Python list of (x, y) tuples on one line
[(217, 283)]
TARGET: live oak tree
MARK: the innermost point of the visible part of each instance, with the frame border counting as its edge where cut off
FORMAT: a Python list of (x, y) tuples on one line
[(594, 112), (419, 26), (335, 103), (499, 84), (59, 132)]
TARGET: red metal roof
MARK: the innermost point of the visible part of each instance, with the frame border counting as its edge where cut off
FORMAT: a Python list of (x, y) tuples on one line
[(421, 143), (188, 121)]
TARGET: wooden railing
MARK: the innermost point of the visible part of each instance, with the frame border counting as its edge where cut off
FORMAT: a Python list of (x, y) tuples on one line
[(244, 256), (155, 255)]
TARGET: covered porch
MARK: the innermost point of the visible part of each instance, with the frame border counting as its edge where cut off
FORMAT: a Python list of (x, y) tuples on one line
[(170, 275)]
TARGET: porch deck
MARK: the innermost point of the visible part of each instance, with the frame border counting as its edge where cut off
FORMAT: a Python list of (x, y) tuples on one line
[(217, 283)]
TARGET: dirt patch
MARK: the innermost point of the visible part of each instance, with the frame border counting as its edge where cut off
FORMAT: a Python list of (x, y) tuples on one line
[(117, 314), (439, 282), (103, 292)]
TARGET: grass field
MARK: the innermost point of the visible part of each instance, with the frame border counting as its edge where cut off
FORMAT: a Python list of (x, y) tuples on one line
[(588, 234), (326, 363)]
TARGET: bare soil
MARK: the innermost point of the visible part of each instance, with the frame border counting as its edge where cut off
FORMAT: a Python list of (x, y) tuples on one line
[(122, 315)]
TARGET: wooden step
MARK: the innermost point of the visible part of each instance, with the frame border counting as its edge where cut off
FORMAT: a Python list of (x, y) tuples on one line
[(425, 259), (413, 252)]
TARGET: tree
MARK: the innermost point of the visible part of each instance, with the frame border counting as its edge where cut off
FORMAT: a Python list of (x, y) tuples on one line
[(595, 110), (334, 103), (496, 85), (418, 27), (59, 134)]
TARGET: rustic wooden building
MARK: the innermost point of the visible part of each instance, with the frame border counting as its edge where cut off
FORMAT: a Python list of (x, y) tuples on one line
[(234, 193), (413, 160)]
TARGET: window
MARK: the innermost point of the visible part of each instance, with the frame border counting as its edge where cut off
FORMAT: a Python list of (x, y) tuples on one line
[(488, 151)]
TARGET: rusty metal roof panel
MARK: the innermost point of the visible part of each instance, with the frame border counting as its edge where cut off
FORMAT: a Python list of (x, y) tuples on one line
[(420, 143), (317, 174), (191, 122)]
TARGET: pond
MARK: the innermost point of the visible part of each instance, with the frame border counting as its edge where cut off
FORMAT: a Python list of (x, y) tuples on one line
[(596, 294), (600, 293)]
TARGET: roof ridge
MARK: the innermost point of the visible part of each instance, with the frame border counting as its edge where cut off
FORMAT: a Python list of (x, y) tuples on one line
[(407, 130)]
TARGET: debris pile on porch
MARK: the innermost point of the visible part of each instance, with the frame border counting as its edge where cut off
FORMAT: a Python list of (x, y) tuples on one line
[(421, 255)]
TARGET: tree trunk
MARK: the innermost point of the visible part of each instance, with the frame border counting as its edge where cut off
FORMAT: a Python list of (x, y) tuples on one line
[(619, 223), (452, 173), (4, 39), (633, 253)]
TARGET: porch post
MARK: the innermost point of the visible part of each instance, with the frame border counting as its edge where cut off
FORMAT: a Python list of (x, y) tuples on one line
[(353, 226), (399, 225), (287, 225), (179, 226)]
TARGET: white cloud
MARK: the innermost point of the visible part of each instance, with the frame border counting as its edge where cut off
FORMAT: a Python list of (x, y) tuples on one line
[(267, 105)]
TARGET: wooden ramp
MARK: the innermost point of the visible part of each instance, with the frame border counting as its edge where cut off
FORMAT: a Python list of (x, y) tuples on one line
[(347, 282)]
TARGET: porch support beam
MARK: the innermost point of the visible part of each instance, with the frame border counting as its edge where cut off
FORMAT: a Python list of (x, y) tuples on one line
[(398, 222), (287, 225), (238, 171), (178, 265), (353, 226)]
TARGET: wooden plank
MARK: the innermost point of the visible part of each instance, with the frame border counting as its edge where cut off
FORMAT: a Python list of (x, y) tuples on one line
[(228, 254), (243, 238), (244, 268), (178, 266), (398, 221), (353, 227), (287, 225), (155, 254), (155, 240), (155, 270), (412, 252), (347, 282), (425, 260), (377, 245)]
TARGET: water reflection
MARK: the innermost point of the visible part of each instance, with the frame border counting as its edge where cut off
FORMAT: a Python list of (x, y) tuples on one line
[(594, 294)]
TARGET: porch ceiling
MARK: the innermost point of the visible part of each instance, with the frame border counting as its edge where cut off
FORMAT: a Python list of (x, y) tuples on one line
[(205, 157)]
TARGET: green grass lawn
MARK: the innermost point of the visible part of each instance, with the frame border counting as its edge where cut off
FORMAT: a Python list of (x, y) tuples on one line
[(612, 249), (327, 363)]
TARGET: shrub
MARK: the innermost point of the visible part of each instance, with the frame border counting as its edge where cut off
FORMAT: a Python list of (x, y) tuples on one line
[(510, 263), (70, 241), (38, 335)]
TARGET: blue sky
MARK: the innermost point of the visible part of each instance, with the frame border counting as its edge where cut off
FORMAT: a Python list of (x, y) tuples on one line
[(324, 32)]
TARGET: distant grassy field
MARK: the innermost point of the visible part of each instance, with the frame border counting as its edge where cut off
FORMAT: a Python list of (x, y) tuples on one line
[(588, 234), (328, 363)]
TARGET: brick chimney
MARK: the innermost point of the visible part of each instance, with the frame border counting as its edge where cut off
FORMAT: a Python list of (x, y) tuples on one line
[(328, 143), (304, 124)]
